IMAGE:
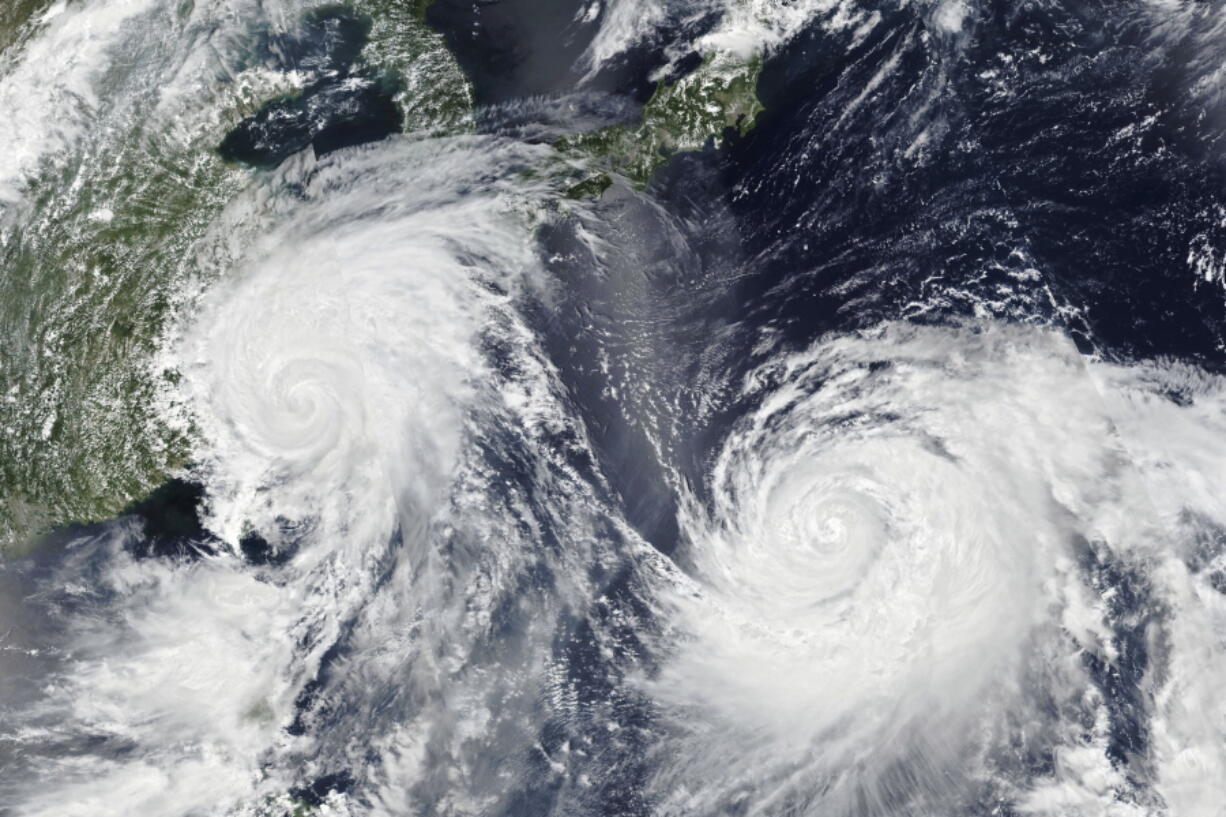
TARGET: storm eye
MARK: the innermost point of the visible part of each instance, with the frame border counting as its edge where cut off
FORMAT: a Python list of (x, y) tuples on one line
[(578, 408)]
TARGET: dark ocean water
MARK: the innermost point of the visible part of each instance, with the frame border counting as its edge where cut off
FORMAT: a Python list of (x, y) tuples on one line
[(1048, 164)]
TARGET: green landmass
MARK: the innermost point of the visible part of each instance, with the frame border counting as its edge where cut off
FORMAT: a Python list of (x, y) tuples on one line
[(83, 300), (717, 98), (13, 17), (436, 98), (95, 265)]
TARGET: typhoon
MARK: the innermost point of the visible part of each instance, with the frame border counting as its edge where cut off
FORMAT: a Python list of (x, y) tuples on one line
[(612, 408)]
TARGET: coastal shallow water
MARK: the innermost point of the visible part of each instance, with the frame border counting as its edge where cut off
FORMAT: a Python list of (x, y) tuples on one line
[(865, 461)]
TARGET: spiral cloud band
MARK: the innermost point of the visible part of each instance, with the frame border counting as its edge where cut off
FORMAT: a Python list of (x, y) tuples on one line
[(619, 408), (893, 552)]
